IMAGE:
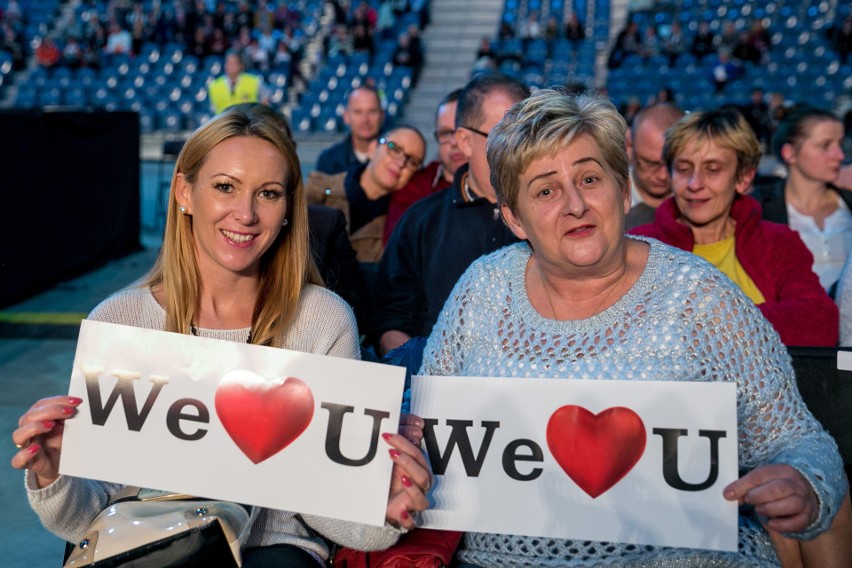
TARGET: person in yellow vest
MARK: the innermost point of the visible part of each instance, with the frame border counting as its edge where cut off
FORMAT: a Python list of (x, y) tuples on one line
[(236, 86)]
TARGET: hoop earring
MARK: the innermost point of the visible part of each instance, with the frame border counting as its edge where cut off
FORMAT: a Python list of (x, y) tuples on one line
[(284, 224)]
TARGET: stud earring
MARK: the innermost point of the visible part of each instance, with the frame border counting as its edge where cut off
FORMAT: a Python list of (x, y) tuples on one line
[(182, 209), (284, 224)]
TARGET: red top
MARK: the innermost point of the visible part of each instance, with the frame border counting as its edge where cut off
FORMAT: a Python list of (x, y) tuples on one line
[(777, 261), (425, 182)]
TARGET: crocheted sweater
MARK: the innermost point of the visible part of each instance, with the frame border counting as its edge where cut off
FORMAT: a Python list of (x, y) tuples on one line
[(682, 320), (324, 325)]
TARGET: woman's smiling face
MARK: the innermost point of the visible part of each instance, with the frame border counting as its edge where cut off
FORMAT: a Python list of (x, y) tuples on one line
[(238, 204)]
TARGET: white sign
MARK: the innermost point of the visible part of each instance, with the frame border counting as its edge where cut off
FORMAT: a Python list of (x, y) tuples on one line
[(222, 420), (619, 461)]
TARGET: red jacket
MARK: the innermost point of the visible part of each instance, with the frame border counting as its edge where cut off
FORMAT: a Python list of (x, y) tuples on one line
[(777, 261), (425, 182)]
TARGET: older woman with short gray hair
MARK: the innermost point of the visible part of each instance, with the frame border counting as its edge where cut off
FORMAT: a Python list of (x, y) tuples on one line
[(579, 299)]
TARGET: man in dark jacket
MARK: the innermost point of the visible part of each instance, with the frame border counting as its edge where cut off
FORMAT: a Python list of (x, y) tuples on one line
[(364, 117), (440, 235)]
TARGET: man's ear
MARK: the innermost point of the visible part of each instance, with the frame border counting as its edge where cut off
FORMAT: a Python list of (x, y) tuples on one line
[(513, 222), (628, 139), (463, 141), (371, 149), (182, 192)]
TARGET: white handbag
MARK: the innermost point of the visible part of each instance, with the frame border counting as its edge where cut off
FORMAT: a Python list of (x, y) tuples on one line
[(144, 528)]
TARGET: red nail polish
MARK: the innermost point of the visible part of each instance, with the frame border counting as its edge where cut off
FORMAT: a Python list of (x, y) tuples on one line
[(394, 453), (68, 410), (404, 515), (49, 424), (75, 400), (33, 448), (406, 481), (387, 435)]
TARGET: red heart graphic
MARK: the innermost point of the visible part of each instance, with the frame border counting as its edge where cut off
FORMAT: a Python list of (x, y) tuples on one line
[(262, 417), (596, 450)]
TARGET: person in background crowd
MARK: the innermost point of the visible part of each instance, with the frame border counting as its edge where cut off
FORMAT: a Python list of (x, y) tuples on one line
[(364, 117), (703, 42), (364, 191), (438, 174), (236, 86), (841, 38), (713, 157), (650, 182), (440, 235), (756, 113), (809, 142), (575, 32), (675, 44)]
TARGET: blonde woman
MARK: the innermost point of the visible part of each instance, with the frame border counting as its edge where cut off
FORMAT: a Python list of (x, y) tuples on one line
[(235, 265)]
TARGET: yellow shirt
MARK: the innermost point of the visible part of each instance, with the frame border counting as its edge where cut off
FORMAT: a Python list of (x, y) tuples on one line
[(246, 90), (723, 256)]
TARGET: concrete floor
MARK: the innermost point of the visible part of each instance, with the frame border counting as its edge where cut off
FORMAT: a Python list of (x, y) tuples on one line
[(29, 370)]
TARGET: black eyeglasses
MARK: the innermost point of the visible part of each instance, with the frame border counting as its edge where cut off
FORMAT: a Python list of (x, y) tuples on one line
[(397, 152), (472, 129), (445, 135)]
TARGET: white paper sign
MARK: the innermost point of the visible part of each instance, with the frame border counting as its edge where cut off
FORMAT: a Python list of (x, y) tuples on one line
[(582, 459), (222, 420)]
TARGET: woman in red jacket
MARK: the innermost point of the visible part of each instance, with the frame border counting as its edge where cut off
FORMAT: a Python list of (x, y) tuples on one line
[(713, 157)]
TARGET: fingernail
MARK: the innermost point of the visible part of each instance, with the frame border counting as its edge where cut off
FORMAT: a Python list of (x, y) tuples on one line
[(387, 435), (394, 453), (68, 410), (75, 400), (33, 448), (49, 424), (406, 481), (404, 515)]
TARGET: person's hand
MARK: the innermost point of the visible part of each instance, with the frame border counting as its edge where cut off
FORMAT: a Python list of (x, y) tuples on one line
[(39, 437), (779, 494), (410, 480), (411, 427)]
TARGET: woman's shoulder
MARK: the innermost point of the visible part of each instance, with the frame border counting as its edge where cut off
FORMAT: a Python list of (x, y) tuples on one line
[(670, 264), (319, 302), (134, 306), (502, 264)]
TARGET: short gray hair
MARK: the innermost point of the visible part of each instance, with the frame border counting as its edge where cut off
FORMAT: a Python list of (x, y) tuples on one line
[(547, 122)]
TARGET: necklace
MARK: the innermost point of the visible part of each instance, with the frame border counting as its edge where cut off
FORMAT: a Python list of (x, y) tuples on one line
[(609, 292), (194, 331)]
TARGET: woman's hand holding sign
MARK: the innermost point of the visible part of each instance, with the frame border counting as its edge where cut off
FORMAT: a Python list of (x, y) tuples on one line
[(39, 437), (779, 494), (411, 477)]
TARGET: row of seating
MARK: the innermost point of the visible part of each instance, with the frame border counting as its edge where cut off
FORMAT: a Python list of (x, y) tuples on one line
[(801, 59)]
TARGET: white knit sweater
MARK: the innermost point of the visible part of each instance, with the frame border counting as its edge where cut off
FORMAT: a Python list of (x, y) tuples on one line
[(324, 325), (683, 320)]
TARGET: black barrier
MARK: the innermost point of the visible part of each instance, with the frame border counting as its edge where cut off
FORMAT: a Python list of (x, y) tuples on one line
[(70, 195), (827, 392)]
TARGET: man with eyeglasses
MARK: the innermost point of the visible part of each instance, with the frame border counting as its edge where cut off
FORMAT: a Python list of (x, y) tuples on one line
[(437, 174), (440, 235), (649, 178), (364, 191)]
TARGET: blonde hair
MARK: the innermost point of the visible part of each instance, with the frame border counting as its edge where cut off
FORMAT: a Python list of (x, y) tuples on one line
[(543, 124), (726, 127), (286, 268)]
